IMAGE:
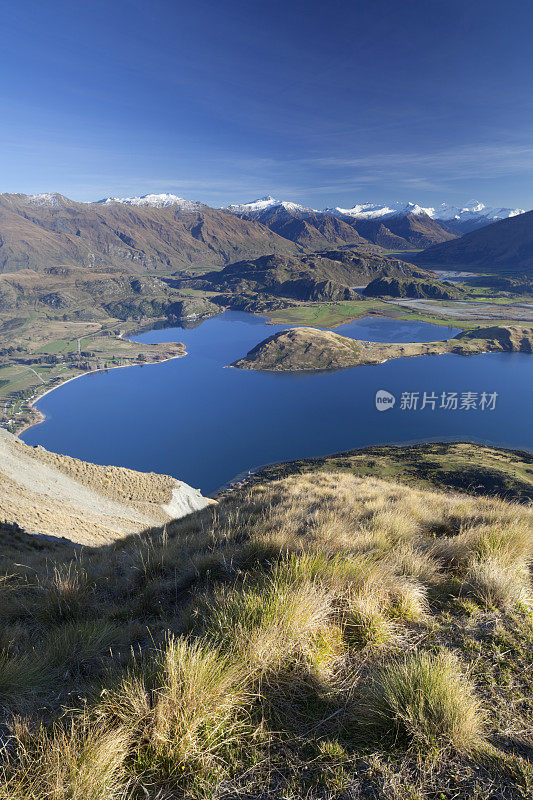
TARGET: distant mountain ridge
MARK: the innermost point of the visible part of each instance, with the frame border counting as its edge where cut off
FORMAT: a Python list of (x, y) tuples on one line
[(156, 201), (306, 227), (400, 226), (444, 212), (505, 247), (473, 211), (165, 232), (41, 231), (317, 229)]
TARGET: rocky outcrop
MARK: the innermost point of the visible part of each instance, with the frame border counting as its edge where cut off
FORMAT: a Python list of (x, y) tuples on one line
[(303, 349), (192, 309), (509, 338)]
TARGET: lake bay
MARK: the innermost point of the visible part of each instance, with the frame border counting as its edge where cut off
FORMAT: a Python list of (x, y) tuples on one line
[(205, 424)]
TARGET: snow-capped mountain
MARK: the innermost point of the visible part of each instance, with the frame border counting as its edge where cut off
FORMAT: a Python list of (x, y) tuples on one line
[(394, 225), (264, 203), (303, 226), (472, 211), (368, 210), (156, 200), (48, 199)]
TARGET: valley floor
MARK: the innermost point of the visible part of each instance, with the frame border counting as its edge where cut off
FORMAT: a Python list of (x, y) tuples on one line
[(49, 354)]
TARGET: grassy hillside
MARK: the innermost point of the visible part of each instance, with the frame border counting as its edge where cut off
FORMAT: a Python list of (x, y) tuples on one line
[(450, 466), (310, 349), (321, 636), (87, 504)]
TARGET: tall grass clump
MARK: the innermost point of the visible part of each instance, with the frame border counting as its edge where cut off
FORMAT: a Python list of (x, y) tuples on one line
[(66, 594), (423, 701), (188, 714), (270, 624), (76, 760), (78, 644), (497, 585), (22, 674), (510, 542)]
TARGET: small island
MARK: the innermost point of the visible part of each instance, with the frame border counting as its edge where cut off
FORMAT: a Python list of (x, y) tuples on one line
[(312, 350)]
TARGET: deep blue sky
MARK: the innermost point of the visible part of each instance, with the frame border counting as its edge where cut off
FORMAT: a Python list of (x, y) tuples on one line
[(325, 103)]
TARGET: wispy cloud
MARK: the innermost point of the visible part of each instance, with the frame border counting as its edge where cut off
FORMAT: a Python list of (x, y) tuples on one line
[(459, 162)]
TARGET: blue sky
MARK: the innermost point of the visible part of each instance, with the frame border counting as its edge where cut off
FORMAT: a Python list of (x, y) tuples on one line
[(326, 103)]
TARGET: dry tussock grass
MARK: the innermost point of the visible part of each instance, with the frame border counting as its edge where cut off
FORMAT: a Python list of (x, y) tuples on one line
[(423, 700), (318, 602)]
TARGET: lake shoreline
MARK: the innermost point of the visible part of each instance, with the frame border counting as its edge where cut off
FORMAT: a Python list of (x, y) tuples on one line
[(159, 325), (184, 421), (42, 417), (248, 478)]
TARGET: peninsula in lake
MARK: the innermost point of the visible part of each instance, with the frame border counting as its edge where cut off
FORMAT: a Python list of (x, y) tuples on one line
[(310, 349)]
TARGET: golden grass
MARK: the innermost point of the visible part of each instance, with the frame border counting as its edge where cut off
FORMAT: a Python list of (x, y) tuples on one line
[(76, 760), (423, 701), (498, 585), (318, 609), (186, 714)]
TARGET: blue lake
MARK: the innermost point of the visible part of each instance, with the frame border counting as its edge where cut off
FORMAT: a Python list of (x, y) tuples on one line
[(205, 424)]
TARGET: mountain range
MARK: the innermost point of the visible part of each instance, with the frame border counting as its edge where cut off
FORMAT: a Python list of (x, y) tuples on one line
[(167, 233), (317, 229), (39, 231), (453, 218), (505, 246), (473, 210), (393, 226)]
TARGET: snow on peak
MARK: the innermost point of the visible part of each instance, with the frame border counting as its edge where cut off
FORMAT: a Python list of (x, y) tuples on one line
[(474, 210), (49, 199), (254, 207), (414, 208), (156, 201), (365, 210), (444, 212), (264, 203), (378, 210)]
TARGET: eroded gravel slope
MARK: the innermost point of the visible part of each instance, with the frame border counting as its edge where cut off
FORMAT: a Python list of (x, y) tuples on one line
[(88, 504)]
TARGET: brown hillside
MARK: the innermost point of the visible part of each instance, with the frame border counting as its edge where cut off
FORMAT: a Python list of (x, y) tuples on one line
[(38, 236), (505, 246)]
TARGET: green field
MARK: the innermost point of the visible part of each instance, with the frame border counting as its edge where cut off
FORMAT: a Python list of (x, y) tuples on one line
[(329, 315)]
